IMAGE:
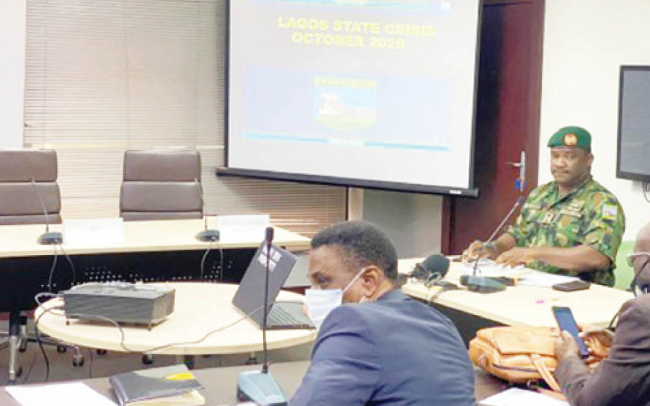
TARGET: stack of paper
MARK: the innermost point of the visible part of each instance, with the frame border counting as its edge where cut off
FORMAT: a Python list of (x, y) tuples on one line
[(487, 267), (520, 397), (544, 280), (65, 394)]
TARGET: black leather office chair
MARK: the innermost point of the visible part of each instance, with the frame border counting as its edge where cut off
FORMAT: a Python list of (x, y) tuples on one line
[(161, 185), (20, 204), (21, 172)]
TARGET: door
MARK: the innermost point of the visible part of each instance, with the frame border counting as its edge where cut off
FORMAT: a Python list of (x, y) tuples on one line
[(507, 120)]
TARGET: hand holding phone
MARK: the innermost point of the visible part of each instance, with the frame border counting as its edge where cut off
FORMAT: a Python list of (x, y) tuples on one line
[(565, 320)]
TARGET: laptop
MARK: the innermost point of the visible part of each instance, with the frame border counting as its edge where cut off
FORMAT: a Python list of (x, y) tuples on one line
[(249, 298)]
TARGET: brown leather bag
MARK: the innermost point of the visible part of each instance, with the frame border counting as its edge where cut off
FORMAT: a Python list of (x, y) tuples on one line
[(524, 354)]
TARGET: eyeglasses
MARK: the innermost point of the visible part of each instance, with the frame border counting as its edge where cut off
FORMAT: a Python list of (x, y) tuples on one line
[(632, 256)]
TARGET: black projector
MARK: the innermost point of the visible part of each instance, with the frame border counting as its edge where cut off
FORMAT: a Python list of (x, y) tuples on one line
[(119, 302)]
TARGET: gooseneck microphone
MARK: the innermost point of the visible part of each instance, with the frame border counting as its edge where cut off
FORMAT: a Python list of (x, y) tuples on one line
[(259, 386), (482, 284), (269, 242), (47, 238), (207, 235)]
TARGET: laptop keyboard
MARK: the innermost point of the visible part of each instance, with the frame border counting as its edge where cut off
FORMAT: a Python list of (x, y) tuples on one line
[(281, 317)]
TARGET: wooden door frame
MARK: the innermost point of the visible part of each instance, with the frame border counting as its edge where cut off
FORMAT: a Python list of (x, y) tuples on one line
[(534, 111)]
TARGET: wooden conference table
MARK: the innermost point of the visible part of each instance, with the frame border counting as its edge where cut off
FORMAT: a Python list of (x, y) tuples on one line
[(520, 305), (151, 251), (221, 383), (139, 236), (200, 308)]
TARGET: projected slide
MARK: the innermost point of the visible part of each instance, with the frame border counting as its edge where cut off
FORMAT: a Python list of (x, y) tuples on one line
[(354, 90)]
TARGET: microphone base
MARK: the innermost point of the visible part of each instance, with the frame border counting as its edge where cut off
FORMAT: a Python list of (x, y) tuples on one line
[(481, 284), (260, 388), (51, 238), (208, 236)]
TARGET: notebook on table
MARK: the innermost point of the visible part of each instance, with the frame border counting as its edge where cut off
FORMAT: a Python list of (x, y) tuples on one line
[(172, 385)]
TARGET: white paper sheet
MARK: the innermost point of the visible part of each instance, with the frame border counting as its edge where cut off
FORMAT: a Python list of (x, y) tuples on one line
[(543, 279), (91, 232), (243, 227), (64, 394), (487, 267), (520, 397)]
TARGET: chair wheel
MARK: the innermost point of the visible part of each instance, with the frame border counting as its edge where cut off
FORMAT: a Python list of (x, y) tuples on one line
[(61, 349), (77, 360), (147, 359), (19, 373), (101, 352)]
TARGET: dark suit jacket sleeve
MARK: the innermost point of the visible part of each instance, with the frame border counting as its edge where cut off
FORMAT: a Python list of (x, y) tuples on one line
[(344, 369), (622, 378)]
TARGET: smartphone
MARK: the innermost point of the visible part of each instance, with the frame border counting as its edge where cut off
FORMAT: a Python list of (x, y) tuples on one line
[(571, 286), (566, 322)]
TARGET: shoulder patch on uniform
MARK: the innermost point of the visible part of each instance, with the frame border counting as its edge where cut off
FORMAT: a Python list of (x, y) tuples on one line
[(610, 211)]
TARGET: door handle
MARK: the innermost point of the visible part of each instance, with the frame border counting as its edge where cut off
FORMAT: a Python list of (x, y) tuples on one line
[(520, 183)]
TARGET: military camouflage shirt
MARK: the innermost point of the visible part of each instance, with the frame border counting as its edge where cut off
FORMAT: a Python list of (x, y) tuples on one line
[(589, 215)]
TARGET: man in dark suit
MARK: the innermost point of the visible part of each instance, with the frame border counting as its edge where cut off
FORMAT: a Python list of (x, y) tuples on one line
[(622, 379), (380, 347)]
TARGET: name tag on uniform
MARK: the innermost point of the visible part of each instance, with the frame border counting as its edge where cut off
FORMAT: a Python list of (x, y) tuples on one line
[(571, 212), (548, 218), (576, 205)]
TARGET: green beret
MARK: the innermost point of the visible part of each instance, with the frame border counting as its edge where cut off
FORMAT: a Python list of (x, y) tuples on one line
[(572, 136)]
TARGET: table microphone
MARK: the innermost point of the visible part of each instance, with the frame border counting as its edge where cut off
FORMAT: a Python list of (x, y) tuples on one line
[(260, 387), (482, 284), (432, 269), (47, 238), (207, 235)]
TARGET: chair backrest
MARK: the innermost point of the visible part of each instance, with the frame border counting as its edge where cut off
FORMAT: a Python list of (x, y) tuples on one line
[(623, 273), (19, 203), (159, 185)]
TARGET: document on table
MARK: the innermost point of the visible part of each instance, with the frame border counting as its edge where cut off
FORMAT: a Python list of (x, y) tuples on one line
[(518, 397), (487, 267), (64, 394), (544, 280)]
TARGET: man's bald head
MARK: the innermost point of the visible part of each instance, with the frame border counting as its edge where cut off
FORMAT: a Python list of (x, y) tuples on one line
[(642, 242), (641, 260)]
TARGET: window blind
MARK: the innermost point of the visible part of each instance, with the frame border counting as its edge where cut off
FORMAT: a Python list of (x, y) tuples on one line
[(103, 76)]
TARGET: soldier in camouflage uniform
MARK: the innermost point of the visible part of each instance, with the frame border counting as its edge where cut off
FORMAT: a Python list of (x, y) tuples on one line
[(571, 226)]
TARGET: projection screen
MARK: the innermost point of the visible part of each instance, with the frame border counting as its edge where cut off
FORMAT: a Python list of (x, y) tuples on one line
[(371, 93)]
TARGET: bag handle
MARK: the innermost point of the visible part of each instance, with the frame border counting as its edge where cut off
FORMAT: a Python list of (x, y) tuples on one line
[(543, 370)]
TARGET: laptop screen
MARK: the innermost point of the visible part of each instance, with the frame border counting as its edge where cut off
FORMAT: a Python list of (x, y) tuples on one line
[(250, 295)]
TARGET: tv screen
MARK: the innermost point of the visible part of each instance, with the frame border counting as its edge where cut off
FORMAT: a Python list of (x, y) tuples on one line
[(634, 124)]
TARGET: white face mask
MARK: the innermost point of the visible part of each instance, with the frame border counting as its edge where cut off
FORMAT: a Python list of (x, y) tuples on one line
[(320, 302)]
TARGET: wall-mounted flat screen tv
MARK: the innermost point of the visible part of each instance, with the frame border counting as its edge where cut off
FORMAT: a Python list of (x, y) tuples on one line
[(634, 124)]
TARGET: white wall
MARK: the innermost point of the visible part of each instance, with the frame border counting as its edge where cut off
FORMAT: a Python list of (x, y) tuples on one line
[(12, 71), (412, 221), (585, 42)]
